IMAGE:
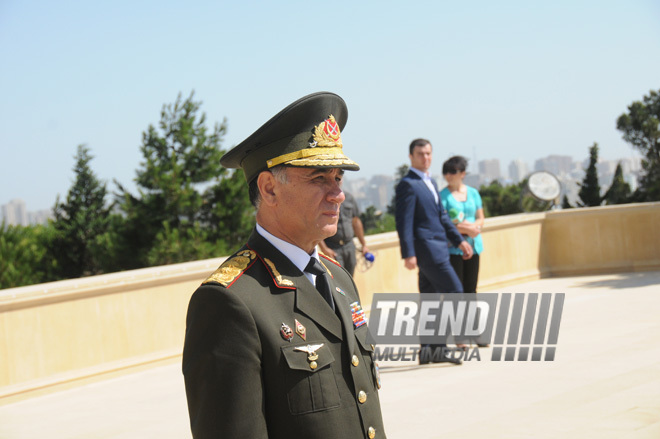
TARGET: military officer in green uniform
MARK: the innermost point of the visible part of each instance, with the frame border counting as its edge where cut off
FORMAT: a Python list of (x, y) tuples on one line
[(276, 342)]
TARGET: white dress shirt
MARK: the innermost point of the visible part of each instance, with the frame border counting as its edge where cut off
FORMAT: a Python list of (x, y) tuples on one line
[(426, 177), (298, 256)]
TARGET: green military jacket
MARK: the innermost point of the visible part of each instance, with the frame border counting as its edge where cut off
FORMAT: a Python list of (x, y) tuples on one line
[(266, 357)]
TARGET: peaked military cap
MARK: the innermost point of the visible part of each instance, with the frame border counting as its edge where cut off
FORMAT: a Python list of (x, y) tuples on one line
[(307, 133)]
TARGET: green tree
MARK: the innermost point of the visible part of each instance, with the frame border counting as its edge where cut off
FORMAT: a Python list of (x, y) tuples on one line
[(501, 200), (177, 245), (590, 188), (180, 158), (23, 257), (227, 212), (619, 191), (79, 222), (374, 221), (401, 172), (641, 128), (565, 204)]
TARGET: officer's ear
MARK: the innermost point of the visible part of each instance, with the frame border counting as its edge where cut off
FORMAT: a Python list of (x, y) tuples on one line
[(266, 185)]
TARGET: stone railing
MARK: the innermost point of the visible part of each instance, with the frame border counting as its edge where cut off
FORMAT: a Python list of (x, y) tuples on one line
[(70, 332)]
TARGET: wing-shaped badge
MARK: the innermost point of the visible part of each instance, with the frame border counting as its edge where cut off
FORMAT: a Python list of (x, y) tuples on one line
[(312, 356)]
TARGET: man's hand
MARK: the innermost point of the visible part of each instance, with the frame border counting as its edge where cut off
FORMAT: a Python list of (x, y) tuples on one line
[(467, 249), (365, 250), (411, 262)]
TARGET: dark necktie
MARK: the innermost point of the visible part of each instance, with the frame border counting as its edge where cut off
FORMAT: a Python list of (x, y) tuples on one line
[(322, 284)]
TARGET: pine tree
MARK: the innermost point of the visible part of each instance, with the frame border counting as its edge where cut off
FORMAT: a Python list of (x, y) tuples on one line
[(641, 128), (180, 157), (589, 188), (619, 191), (227, 213), (79, 222), (565, 204)]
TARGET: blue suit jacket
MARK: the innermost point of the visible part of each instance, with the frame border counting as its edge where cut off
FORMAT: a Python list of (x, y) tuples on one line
[(422, 224)]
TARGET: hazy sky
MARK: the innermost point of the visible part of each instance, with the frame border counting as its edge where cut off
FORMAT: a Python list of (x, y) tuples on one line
[(506, 79)]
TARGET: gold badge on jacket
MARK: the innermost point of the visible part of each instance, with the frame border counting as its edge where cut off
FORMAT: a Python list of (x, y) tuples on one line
[(301, 331)]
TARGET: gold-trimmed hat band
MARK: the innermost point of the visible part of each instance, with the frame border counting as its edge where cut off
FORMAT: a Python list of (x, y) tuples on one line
[(327, 153)]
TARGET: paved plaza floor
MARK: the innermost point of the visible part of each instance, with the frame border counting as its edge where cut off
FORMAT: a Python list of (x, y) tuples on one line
[(604, 382)]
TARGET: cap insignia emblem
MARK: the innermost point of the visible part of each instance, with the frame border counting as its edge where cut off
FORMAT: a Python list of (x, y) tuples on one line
[(327, 133)]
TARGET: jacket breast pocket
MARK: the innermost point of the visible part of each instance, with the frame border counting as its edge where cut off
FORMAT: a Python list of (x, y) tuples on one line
[(310, 384)]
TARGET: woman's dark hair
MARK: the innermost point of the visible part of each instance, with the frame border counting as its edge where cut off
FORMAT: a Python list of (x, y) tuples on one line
[(454, 165)]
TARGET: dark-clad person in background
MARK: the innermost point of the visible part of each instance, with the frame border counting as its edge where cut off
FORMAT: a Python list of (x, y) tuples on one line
[(340, 246), (465, 209), (424, 230), (276, 341)]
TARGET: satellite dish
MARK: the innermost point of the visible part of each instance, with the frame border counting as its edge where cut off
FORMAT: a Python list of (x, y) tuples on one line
[(541, 192)]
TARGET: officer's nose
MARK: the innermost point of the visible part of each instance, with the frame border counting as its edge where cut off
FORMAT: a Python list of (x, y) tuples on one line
[(335, 194)]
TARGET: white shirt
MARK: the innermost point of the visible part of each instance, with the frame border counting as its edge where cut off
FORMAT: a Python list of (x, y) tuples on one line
[(426, 178), (298, 256)]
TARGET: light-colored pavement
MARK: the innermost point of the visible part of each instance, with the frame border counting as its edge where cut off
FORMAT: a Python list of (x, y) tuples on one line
[(604, 382)]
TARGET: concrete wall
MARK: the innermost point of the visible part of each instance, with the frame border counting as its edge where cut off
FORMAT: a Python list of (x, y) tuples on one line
[(69, 332)]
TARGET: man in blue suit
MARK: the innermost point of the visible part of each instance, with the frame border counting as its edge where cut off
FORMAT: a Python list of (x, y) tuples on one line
[(424, 228)]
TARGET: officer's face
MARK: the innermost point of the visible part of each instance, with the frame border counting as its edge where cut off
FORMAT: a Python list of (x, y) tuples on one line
[(308, 204), (421, 157)]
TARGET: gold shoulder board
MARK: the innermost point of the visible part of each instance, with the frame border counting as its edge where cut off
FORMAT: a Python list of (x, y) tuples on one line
[(232, 268)]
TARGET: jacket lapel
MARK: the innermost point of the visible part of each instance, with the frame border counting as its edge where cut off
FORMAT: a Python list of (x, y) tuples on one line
[(344, 308), (423, 189), (287, 276)]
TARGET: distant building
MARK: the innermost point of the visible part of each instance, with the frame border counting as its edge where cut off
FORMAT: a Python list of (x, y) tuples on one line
[(380, 191), (631, 165), (40, 216), (490, 170), (377, 191), (474, 180), (555, 164), (14, 213), (518, 170)]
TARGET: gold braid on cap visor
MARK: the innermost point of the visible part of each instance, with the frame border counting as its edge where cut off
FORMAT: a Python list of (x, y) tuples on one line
[(312, 157)]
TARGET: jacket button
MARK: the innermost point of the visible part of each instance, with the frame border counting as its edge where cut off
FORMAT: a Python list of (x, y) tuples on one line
[(355, 360), (362, 397), (371, 432)]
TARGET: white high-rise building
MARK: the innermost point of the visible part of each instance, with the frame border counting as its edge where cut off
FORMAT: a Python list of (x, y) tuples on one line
[(518, 170), (14, 213)]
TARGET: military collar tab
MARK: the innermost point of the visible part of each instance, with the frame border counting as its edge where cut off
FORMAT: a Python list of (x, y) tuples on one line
[(279, 280)]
